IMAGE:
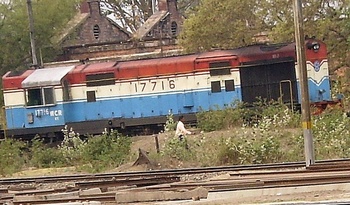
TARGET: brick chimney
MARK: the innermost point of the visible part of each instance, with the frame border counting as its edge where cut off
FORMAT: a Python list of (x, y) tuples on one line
[(163, 5), (90, 6), (172, 8), (84, 7)]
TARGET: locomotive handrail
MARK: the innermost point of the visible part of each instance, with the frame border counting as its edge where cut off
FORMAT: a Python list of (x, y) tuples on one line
[(290, 90)]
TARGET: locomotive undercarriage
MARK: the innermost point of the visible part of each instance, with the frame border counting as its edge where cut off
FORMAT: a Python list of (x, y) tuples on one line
[(127, 127)]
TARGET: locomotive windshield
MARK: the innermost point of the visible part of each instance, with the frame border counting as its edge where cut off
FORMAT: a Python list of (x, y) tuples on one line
[(40, 96)]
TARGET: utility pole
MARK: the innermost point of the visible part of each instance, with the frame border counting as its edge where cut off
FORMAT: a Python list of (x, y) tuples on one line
[(31, 30), (153, 6), (303, 79)]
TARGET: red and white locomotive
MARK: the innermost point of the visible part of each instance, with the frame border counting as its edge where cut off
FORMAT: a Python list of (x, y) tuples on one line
[(139, 93)]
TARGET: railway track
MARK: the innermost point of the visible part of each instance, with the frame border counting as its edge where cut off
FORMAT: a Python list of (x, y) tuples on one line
[(111, 187)]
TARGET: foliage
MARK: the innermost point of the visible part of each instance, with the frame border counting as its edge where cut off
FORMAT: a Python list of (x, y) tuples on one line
[(170, 124), (257, 145), (260, 138), (341, 87), (97, 153), (12, 156), (218, 119), (331, 135), (43, 156), (238, 114), (106, 151), (279, 114), (255, 151), (178, 149), (133, 13), (49, 18), (220, 24), (72, 146)]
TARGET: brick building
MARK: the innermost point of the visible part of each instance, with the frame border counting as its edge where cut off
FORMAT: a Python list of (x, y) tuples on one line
[(90, 34)]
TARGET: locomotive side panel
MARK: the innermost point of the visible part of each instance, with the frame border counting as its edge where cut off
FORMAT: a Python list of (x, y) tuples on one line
[(139, 97), (275, 81), (14, 100)]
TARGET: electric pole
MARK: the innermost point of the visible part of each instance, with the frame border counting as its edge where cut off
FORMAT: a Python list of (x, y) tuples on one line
[(303, 79), (31, 31)]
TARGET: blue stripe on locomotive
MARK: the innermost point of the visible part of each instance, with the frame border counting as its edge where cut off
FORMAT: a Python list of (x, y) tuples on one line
[(189, 101), (43, 116), (149, 106), (126, 107), (317, 91)]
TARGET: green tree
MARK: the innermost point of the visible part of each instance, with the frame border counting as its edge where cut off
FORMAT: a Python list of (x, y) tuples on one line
[(221, 24), (327, 20), (227, 24), (49, 18)]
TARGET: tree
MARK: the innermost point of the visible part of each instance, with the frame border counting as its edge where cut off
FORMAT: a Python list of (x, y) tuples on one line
[(49, 17), (327, 20), (228, 24), (187, 7), (221, 24), (131, 14)]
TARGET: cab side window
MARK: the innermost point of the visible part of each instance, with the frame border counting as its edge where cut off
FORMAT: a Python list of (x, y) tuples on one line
[(40, 96)]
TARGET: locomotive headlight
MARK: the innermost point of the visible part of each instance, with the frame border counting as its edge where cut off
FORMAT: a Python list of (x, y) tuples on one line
[(315, 46)]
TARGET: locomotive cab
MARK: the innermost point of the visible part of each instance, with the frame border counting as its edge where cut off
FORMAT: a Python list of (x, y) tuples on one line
[(35, 104)]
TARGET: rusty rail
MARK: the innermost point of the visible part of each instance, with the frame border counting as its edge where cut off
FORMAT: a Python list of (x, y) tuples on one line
[(103, 187)]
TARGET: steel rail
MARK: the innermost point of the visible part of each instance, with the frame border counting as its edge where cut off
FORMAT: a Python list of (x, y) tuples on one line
[(185, 171), (261, 177)]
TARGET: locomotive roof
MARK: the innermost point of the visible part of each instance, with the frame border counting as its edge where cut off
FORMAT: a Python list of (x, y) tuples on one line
[(46, 76), (144, 67)]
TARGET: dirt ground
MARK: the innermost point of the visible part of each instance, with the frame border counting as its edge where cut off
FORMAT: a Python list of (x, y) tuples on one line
[(230, 198)]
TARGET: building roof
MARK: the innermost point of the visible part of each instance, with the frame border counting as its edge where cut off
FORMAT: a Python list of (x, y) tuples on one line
[(150, 23), (78, 20)]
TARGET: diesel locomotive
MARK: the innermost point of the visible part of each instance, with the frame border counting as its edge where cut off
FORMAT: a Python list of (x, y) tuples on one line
[(138, 94)]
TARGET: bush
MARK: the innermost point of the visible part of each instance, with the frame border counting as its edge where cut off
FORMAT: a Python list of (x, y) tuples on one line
[(170, 124), (331, 135), (259, 140), (12, 156), (238, 114), (177, 149), (71, 147), (218, 119), (253, 146), (43, 156), (106, 151)]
